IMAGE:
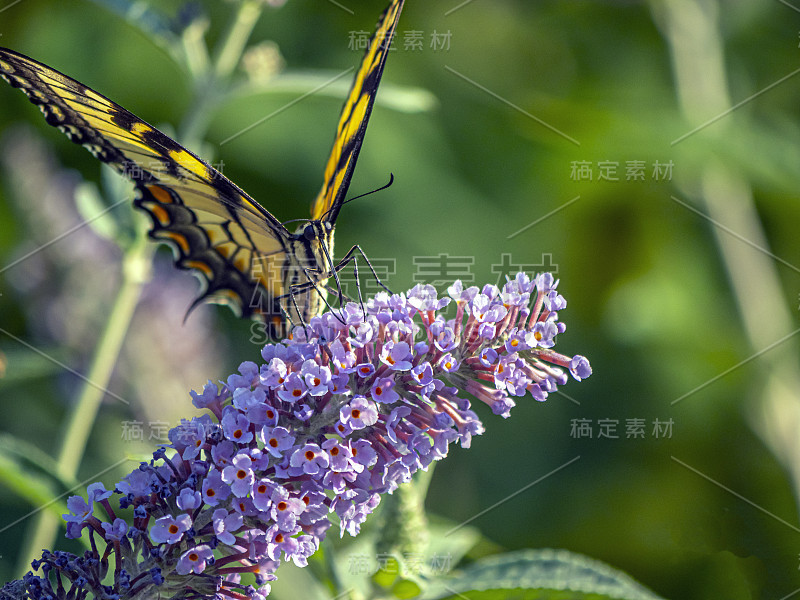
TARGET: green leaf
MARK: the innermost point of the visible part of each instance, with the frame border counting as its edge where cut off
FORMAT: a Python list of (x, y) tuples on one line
[(538, 575), (37, 488), (22, 365), (138, 13), (448, 543), (406, 588), (388, 573)]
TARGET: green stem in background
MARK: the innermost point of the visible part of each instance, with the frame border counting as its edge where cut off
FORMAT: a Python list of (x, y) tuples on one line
[(235, 40), (212, 84), (403, 529), (80, 419), (692, 31), (136, 266)]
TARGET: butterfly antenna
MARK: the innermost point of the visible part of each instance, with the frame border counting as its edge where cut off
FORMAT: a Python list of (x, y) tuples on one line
[(295, 221), (380, 189)]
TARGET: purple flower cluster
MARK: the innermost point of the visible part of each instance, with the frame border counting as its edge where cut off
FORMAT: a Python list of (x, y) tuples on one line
[(342, 413)]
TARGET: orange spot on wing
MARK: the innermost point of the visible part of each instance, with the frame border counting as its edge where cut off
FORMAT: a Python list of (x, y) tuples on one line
[(200, 266), (241, 265), (160, 194), (179, 239), (161, 215)]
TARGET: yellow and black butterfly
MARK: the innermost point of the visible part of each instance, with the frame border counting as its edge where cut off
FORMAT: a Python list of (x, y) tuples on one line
[(245, 256)]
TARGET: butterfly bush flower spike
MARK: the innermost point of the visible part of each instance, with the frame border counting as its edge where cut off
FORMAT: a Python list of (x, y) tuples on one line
[(333, 419)]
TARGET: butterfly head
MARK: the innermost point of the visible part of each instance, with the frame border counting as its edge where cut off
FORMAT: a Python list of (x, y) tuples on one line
[(315, 231)]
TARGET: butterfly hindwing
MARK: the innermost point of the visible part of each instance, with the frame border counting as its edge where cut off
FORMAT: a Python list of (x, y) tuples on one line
[(217, 231), (353, 120)]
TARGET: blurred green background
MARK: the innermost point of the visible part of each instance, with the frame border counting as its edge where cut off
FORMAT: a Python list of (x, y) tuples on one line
[(682, 286)]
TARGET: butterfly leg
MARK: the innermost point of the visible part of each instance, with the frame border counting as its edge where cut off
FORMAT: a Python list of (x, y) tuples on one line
[(334, 270), (313, 275), (352, 256)]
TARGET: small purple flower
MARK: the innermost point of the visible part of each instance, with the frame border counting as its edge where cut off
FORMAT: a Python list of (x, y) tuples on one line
[(459, 294), (382, 391), (543, 334), (285, 509), (396, 355), (189, 436), (365, 333), (245, 398), (195, 560), (276, 440), (294, 388), (273, 374), (365, 370), (424, 298), (97, 492), (247, 378), (423, 373), (363, 453), (169, 529), (339, 384), (138, 483), (245, 507), (310, 459), (545, 282), (116, 531), (579, 367), (214, 489), (209, 396), (537, 392), (302, 412), (444, 338), (262, 492), (188, 499), (236, 427), (79, 509), (448, 363), (485, 311), (316, 377), (555, 301), (517, 383), (502, 407), (344, 360), (341, 456), (223, 453), (280, 542), (239, 475), (522, 283), (516, 342), (488, 357), (226, 524), (358, 413), (395, 421)]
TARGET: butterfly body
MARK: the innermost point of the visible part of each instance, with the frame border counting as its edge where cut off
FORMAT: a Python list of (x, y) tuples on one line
[(312, 244), (242, 253)]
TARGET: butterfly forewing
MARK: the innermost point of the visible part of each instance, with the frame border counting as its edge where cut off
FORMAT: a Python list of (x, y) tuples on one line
[(353, 120), (216, 229)]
